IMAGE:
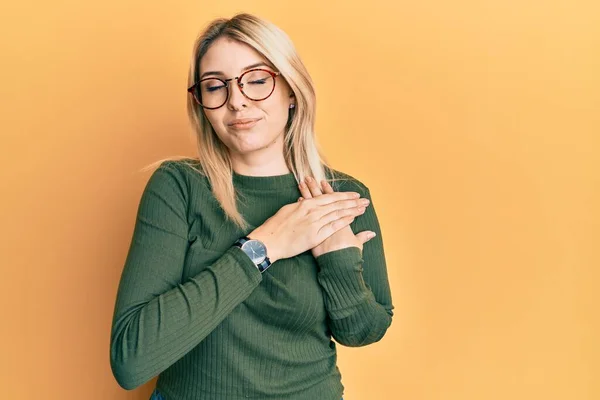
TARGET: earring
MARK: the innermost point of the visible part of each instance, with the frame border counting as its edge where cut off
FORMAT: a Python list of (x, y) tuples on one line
[(292, 105)]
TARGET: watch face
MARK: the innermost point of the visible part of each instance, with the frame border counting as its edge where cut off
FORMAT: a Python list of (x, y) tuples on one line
[(256, 250)]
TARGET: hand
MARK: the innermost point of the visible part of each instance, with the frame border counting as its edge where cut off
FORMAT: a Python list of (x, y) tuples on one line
[(300, 226), (342, 238)]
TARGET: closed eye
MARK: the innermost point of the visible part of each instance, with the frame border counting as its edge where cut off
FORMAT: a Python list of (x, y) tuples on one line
[(258, 82), (214, 88)]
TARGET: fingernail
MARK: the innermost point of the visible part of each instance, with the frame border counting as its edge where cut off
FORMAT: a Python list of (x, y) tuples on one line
[(308, 179), (302, 185), (371, 235)]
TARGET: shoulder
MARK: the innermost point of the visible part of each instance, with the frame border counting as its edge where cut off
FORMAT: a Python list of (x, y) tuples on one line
[(176, 175), (344, 182), (181, 165)]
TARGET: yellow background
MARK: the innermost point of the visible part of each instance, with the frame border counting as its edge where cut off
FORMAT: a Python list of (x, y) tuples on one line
[(476, 125)]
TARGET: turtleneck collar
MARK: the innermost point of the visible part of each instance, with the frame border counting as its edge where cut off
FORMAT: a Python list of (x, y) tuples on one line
[(275, 182)]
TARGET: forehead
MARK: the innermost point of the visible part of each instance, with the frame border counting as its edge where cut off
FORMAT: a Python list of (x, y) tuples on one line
[(229, 56)]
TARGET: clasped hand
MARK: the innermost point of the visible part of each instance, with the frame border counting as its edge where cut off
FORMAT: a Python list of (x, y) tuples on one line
[(344, 237)]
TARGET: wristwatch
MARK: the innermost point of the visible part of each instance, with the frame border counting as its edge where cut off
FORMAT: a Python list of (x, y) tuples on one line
[(256, 250)]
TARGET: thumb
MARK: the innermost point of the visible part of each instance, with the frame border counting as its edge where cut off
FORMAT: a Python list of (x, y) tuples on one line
[(365, 236)]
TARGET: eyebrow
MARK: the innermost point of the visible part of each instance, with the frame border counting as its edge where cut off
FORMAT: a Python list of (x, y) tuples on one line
[(258, 64)]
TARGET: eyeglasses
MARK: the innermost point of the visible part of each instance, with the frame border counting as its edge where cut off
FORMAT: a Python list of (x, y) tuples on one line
[(255, 84)]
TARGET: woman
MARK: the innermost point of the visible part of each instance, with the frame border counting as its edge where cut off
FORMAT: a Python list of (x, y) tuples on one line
[(237, 276)]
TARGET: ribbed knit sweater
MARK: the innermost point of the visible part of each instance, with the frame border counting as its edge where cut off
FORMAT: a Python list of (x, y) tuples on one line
[(194, 310)]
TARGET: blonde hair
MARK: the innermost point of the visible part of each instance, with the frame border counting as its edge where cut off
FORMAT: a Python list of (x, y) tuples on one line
[(302, 153)]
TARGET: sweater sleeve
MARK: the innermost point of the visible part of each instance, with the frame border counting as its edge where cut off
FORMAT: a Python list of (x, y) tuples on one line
[(157, 317), (357, 293)]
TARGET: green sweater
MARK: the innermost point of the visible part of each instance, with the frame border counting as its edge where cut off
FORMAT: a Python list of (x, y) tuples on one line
[(197, 312)]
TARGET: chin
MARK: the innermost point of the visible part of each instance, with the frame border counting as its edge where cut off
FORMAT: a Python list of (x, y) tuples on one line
[(249, 144)]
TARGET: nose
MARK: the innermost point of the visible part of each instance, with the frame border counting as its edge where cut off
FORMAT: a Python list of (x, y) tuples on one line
[(236, 97)]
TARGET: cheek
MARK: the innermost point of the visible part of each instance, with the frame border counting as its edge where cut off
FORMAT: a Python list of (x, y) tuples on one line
[(278, 110), (216, 119), (276, 121)]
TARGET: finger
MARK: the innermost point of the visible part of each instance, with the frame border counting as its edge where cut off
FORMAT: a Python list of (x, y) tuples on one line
[(339, 207), (325, 216), (300, 198), (332, 227), (329, 198), (305, 191), (313, 186), (326, 187), (365, 236)]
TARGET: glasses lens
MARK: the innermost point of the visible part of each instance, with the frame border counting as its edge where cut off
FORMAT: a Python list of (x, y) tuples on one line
[(257, 85), (211, 93)]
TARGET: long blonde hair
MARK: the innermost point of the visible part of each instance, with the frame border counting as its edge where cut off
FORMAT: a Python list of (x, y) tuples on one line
[(302, 153)]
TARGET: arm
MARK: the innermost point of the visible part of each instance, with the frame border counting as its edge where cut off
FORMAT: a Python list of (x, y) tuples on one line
[(157, 318), (357, 292)]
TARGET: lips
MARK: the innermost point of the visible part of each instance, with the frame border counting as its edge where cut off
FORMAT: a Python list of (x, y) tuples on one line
[(242, 121)]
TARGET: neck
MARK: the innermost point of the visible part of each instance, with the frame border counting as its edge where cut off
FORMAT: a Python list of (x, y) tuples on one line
[(268, 161)]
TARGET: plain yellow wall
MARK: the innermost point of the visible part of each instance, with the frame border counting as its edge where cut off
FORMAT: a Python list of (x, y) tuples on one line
[(475, 124)]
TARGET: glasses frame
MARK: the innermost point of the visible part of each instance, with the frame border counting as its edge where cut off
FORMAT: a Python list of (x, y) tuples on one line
[(240, 85)]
